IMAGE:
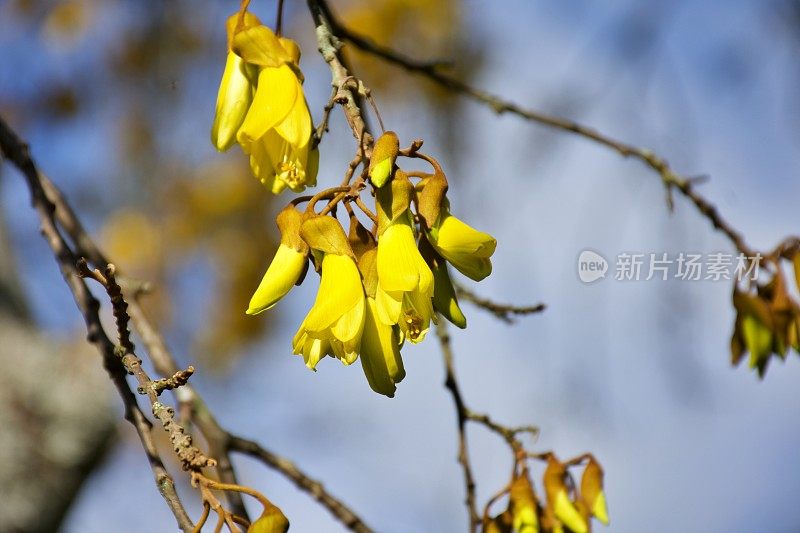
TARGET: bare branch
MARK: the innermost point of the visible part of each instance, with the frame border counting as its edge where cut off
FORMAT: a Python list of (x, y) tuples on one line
[(322, 128), (220, 441), (432, 71), (191, 457), (157, 350), (504, 312), (508, 433), (462, 414), (16, 151), (347, 87), (178, 379), (305, 483)]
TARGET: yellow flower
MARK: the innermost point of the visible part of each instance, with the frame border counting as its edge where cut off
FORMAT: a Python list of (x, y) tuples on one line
[(566, 512), (287, 267), (444, 294), (380, 353), (380, 343), (384, 154), (405, 282), (466, 248), (592, 491), (272, 520), (558, 499), (336, 321), (276, 132), (312, 350), (523, 505), (235, 90)]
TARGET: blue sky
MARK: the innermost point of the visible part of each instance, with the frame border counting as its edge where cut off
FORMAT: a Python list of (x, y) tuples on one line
[(635, 372)]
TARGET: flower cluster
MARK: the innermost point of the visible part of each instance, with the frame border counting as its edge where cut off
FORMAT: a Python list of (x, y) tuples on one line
[(767, 324), (261, 106), (565, 508), (382, 287)]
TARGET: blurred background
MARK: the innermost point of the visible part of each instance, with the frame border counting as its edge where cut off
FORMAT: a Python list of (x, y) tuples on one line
[(116, 99)]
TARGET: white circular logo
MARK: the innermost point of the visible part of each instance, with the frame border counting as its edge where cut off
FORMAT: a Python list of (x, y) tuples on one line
[(591, 266)]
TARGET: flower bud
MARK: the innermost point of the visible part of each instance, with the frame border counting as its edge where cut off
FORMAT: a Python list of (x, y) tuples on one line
[(558, 497), (384, 154), (393, 202), (380, 352), (592, 491), (758, 340), (233, 100), (235, 90), (431, 197), (272, 520), (523, 505), (466, 248)]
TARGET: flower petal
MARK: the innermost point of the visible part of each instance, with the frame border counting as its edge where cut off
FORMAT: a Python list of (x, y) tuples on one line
[(314, 350), (566, 512), (296, 125), (456, 236), (416, 315), (380, 353), (276, 93), (340, 291), (259, 45), (389, 305), (350, 325), (233, 99), (467, 249), (283, 272), (400, 265), (444, 296), (599, 508)]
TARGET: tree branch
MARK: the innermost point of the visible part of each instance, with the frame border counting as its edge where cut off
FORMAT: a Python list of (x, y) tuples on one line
[(504, 312), (302, 481), (462, 414), (53, 208), (347, 88), (432, 71), (17, 153), (218, 439)]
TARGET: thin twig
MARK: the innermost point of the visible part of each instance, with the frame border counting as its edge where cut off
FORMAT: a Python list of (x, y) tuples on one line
[(322, 128), (279, 18), (508, 433), (462, 416), (302, 481), (504, 312), (191, 457), (221, 442)]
